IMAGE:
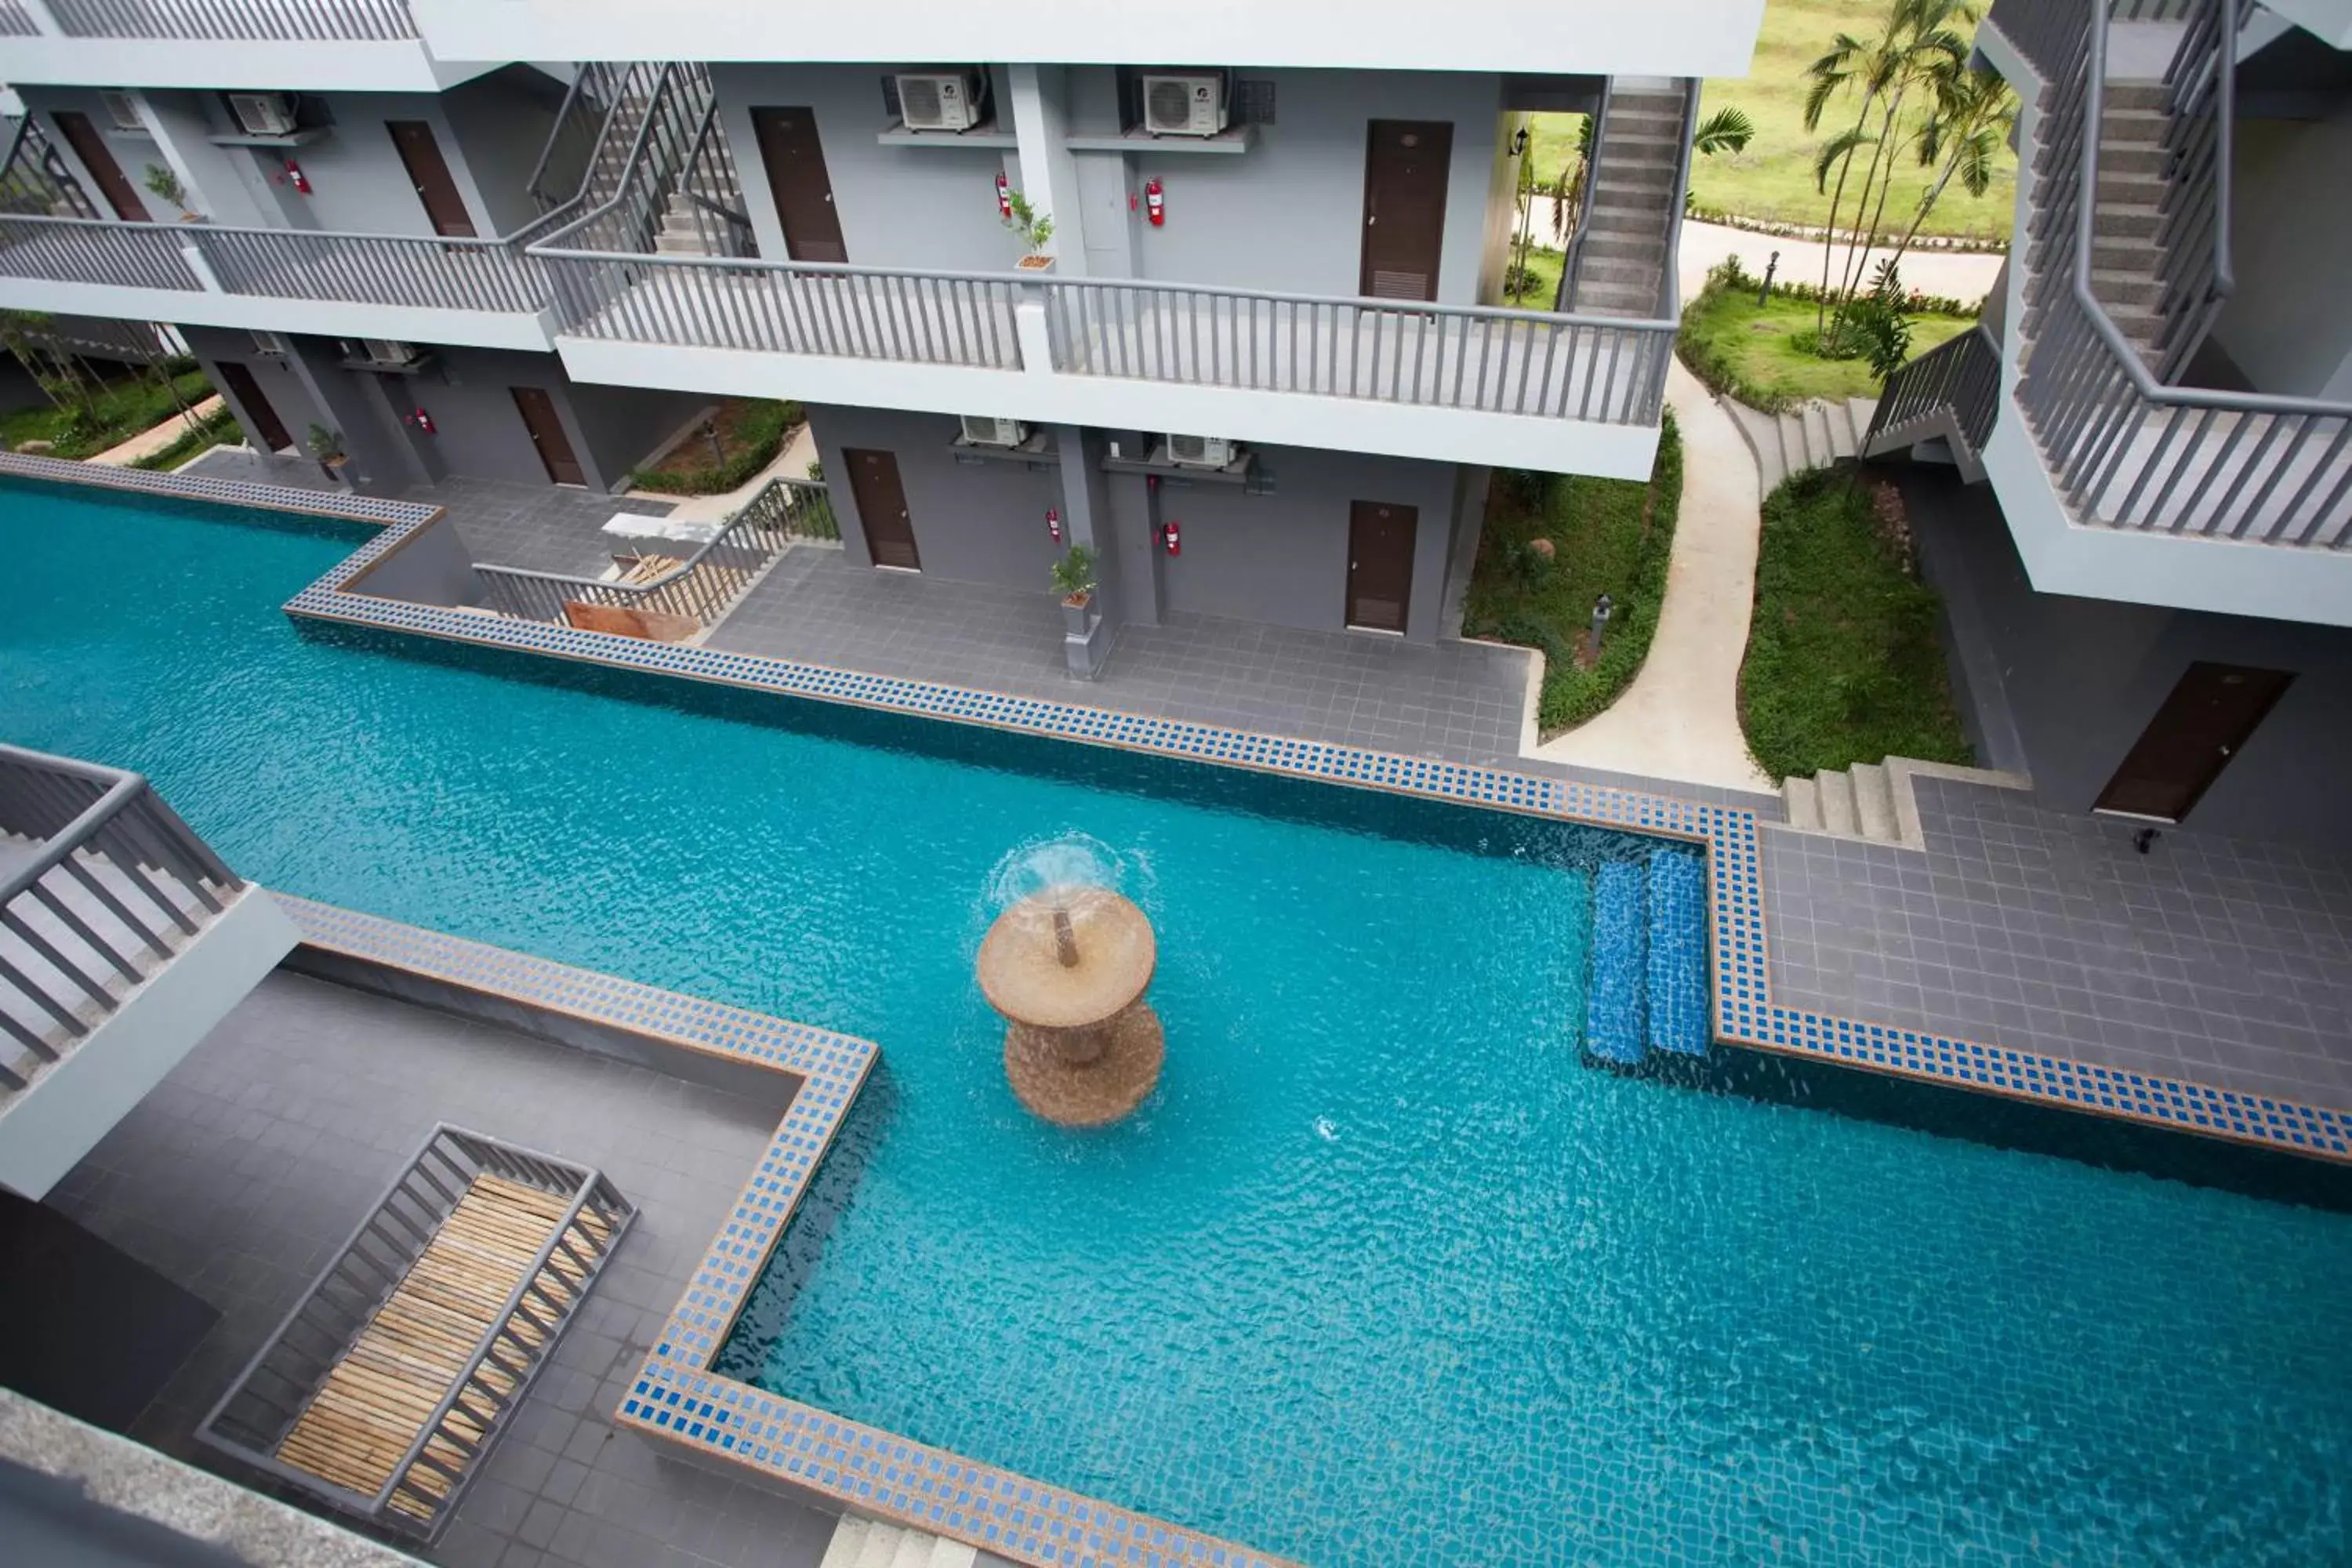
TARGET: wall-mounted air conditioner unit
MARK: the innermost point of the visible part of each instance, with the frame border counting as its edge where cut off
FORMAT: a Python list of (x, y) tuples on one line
[(121, 111), (1201, 451), (942, 100), (263, 113), (268, 343), (1185, 105), (384, 351), (983, 432)]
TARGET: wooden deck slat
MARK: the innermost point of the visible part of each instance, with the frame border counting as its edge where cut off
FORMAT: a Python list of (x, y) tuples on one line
[(381, 1392)]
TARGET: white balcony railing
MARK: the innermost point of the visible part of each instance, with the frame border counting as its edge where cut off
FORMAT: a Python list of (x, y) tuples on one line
[(217, 20)]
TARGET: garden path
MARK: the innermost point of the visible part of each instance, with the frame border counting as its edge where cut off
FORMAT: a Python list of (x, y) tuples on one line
[(1680, 718), (155, 439)]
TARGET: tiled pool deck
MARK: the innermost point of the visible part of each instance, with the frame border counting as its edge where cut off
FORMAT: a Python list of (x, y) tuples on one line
[(676, 1396)]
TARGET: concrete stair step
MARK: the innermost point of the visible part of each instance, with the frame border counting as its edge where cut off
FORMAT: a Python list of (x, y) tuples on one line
[(1803, 799), (1861, 413), (848, 1542), (2133, 95), (946, 1553), (2126, 220), (1839, 811), (2131, 158), (914, 1550), (880, 1547), (1873, 799), (2138, 286), (1623, 247), (1845, 440), (2123, 188)]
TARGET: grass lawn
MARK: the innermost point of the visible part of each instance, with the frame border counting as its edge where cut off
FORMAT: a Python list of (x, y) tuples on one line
[(1844, 661), (1543, 267), (1773, 179), (1741, 348), (751, 432), (124, 408), (1610, 536)]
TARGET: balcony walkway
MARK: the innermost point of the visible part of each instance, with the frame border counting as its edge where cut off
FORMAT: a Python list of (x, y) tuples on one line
[(1376, 350), (241, 1173)]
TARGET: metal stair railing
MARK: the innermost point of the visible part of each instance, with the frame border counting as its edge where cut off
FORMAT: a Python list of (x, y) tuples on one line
[(2192, 238), (2125, 449), (1958, 381), (702, 586), (1571, 266), (87, 821)]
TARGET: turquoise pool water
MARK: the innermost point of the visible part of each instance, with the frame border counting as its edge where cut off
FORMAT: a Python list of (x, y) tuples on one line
[(1384, 1275)]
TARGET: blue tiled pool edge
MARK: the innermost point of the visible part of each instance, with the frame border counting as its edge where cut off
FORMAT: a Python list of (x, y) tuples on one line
[(675, 1396), (1743, 1013)]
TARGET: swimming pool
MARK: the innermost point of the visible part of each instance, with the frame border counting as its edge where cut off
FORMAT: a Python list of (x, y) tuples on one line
[(1385, 1274)]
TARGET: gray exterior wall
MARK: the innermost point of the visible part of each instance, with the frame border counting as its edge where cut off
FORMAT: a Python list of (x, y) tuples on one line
[(357, 181), (2074, 681), (1280, 558), (2288, 324), (468, 393), (977, 521), (930, 206), (1287, 215)]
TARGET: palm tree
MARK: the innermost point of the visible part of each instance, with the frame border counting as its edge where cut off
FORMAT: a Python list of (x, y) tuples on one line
[(1963, 134), (1728, 130), (1915, 40)]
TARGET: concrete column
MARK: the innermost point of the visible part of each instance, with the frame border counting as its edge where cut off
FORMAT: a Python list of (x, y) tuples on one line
[(379, 456), (1087, 519), (169, 131), (1041, 122)]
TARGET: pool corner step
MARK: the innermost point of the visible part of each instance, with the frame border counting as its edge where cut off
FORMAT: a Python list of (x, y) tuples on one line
[(1614, 1026), (1676, 916), (862, 1542)]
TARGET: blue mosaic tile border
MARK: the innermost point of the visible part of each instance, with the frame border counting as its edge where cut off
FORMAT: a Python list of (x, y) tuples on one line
[(675, 1396), (1743, 1011)]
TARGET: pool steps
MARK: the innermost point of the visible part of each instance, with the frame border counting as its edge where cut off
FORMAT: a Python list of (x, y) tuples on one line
[(861, 1543), (1646, 989)]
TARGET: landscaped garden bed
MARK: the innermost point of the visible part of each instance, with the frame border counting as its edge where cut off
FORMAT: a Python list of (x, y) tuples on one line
[(1845, 656), (1552, 544), (740, 439), (97, 416), (1760, 354)]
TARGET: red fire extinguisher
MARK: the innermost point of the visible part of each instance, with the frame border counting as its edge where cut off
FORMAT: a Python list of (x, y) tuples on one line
[(1054, 523), (1155, 202), (423, 421), (294, 173), (1003, 195), (1175, 540)]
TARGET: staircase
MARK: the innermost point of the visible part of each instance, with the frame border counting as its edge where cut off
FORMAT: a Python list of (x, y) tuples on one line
[(1847, 803), (2127, 262), (1622, 244), (1876, 802), (1817, 434), (861, 1543), (683, 232), (1646, 990)]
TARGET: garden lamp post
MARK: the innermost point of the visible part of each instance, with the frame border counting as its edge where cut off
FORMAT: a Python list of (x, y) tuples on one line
[(1764, 290), (1601, 610)]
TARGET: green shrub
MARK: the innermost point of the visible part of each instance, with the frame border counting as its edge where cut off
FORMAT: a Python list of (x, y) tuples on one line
[(1845, 659), (751, 433)]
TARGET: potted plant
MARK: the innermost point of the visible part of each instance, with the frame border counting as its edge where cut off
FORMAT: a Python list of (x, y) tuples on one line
[(327, 446), (1073, 579), (166, 184), (1034, 228)]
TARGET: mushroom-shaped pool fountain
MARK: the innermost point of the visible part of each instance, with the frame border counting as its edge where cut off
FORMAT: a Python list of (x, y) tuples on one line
[(1068, 966)]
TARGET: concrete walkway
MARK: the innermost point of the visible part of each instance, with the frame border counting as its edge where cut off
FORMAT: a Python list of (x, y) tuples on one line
[(1680, 718), (148, 442), (793, 461), (1961, 274)]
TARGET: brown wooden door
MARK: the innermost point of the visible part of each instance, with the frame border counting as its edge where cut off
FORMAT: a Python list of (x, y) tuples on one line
[(796, 178), (1380, 565), (430, 173), (2191, 739), (98, 159), (555, 454), (1404, 207), (238, 383), (882, 509)]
